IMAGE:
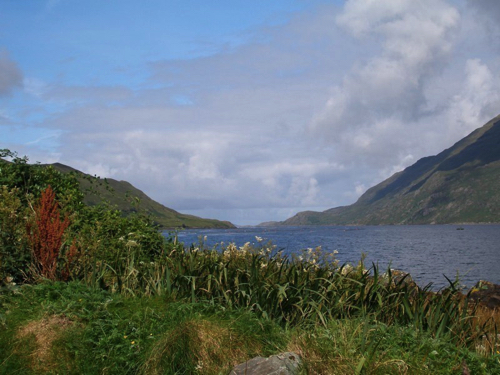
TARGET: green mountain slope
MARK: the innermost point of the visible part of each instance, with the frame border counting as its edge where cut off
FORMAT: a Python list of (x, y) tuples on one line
[(459, 185), (126, 198)]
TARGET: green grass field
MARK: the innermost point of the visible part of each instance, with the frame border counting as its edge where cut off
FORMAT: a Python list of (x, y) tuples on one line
[(76, 328)]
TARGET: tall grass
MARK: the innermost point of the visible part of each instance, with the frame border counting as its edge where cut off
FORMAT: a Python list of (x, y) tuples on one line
[(307, 288), (73, 328)]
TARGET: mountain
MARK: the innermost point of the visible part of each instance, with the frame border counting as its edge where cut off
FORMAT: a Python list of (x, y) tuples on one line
[(126, 198), (459, 185)]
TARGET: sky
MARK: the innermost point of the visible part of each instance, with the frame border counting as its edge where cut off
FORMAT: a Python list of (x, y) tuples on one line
[(246, 111)]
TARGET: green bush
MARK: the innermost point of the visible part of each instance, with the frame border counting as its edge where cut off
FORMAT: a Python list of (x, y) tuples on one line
[(100, 240), (15, 256)]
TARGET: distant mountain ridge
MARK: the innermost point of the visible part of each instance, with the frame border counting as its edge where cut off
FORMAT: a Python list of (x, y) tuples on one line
[(459, 185), (127, 198)]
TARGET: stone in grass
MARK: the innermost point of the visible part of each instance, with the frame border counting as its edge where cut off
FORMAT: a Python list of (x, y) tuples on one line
[(487, 293), (281, 364)]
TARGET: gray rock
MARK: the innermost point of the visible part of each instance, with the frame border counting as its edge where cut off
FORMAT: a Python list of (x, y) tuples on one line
[(487, 293), (280, 364)]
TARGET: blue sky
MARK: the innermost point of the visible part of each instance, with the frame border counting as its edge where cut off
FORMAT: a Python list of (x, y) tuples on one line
[(245, 111), (78, 41)]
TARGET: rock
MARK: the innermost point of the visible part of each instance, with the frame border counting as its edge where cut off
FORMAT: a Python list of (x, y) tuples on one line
[(488, 293), (402, 277), (399, 278), (281, 364)]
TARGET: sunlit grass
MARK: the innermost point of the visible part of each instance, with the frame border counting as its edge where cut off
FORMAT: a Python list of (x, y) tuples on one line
[(202, 310)]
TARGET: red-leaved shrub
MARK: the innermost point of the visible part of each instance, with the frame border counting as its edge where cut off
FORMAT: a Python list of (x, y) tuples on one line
[(46, 234)]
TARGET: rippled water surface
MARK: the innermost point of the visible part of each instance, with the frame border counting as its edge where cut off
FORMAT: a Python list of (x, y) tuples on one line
[(426, 251)]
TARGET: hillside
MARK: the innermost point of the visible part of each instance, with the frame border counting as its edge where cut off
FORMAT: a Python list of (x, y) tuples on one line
[(459, 185), (125, 197)]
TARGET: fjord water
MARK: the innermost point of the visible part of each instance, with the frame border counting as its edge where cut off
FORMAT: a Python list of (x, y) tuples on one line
[(427, 252)]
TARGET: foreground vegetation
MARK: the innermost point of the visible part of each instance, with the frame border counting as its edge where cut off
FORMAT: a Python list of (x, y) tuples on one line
[(101, 293), (72, 328)]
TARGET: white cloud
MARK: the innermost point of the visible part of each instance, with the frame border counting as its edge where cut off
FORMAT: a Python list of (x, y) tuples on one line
[(416, 40), (413, 97), (478, 101)]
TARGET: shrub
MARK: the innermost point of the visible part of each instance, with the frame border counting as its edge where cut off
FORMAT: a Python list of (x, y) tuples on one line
[(15, 255), (46, 234)]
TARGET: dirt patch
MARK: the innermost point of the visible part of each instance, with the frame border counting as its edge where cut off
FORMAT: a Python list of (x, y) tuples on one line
[(45, 332)]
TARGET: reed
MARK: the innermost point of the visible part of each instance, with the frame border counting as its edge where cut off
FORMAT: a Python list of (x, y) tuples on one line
[(308, 288)]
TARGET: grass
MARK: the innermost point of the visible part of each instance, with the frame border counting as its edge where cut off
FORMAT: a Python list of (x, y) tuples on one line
[(311, 288), (205, 321), (199, 310), (111, 333), (99, 332), (363, 346)]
